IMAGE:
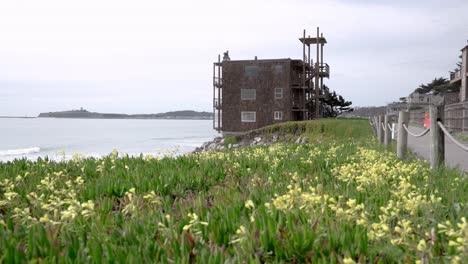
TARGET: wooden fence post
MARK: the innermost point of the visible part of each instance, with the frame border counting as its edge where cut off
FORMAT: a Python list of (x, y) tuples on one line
[(377, 126), (402, 137), (372, 119), (437, 146), (387, 134), (379, 129), (464, 116), (382, 130), (376, 121)]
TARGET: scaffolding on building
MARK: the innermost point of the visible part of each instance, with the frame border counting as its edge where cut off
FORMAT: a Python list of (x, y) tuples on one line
[(305, 84), (313, 74), (217, 94)]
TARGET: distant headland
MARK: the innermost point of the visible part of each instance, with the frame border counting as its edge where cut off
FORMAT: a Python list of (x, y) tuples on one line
[(82, 113)]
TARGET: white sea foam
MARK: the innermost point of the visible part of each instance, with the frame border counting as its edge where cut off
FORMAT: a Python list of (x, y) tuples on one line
[(24, 151), (58, 139)]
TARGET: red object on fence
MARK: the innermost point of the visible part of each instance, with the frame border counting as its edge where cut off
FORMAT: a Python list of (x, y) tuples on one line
[(427, 122)]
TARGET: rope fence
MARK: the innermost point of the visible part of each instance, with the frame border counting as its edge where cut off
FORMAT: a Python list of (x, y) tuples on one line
[(434, 120), (416, 135), (454, 140)]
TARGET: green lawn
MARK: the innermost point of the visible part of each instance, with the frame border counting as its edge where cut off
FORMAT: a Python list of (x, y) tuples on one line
[(340, 198), (462, 136)]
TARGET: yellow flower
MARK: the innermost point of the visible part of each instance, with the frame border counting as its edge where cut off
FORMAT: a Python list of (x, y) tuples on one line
[(348, 261), (421, 245), (87, 208), (79, 181), (241, 235), (249, 204), (152, 198), (241, 230), (10, 195), (456, 260), (44, 219)]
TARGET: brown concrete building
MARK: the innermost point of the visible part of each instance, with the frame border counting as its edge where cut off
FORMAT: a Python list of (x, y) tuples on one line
[(258, 93), (460, 77), (249, 94)]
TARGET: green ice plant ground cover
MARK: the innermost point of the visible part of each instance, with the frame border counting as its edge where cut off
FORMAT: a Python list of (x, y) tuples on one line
[(340, 198), (462, 136)]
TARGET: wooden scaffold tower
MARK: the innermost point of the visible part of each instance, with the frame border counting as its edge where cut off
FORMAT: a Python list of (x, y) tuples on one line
[(313, 74)]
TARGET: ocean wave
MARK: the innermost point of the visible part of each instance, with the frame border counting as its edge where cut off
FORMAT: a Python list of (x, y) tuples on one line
[(182, 138), (24, 151)]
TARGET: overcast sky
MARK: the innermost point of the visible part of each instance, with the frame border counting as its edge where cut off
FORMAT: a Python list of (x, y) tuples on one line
[(152, 56)]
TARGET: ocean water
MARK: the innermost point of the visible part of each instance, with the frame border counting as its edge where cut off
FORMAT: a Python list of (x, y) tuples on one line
[(61, 138)]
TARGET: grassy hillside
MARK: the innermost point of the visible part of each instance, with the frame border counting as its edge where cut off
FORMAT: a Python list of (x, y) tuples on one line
[(338, 199), (317, 130)]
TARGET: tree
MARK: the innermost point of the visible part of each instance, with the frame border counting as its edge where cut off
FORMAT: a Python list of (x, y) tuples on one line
[(438, 86), (333, 104), (459, 65)]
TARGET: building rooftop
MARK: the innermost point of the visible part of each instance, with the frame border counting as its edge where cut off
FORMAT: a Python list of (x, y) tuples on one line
[(295, 62), (262, 60)]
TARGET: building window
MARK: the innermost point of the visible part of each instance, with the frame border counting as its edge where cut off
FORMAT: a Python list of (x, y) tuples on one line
[(248, 117), (248, 94), (251, 71), (278, 115), (278, 93), (278, 69)]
